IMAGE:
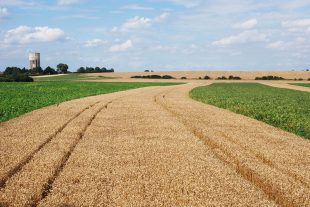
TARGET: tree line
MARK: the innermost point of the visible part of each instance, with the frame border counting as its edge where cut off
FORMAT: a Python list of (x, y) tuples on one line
[(94, 70)]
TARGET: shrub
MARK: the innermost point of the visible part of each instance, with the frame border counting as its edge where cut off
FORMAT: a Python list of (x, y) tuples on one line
[(207, 77), (153, 77), (94, 70), (167, 77), (146, 71), (16, 77), (270, 77), (183, 78), (231, 77), (221, 78)]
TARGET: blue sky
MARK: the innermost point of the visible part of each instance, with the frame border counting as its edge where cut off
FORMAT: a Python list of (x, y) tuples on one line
[(157, 34)]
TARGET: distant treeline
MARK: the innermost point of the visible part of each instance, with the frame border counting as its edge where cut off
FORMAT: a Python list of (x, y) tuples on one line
[(153, 76), (95, 70), (270, 77), (16, 74)]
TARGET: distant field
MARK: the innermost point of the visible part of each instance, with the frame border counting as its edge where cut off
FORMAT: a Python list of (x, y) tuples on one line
[(302, 84), (19, 98), (283, 108), (245, 75)]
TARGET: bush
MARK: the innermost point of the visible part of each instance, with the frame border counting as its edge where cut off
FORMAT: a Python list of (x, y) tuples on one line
[(183, 78), (231, 77), (94, 70), (146, 71), (16, 77), (270, 77), (153, 77), (167, 77), (207, 77), (49, 71), (221, 78)]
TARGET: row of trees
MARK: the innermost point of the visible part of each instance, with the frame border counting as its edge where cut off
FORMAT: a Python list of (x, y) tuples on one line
[(15, 74), (61, 68), (95, 70)]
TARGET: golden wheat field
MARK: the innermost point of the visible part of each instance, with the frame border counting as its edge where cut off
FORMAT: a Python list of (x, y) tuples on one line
[(151, 146), (245, 75)]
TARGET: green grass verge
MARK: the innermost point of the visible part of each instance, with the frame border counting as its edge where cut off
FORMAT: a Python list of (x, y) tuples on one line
[(71, 77), (302, 84), (19, 98), (283, 108)]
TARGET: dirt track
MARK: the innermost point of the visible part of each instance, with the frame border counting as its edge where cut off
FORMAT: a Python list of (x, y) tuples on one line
[(149, 147)]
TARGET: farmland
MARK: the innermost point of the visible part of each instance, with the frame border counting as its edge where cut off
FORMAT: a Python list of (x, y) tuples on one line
[(150, 146), (303, 84), (19, 98), (283, 108)]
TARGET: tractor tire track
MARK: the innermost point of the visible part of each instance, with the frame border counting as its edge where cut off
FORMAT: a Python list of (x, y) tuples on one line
[(243, 169), (42, 184), (137, 154), (27, 159)]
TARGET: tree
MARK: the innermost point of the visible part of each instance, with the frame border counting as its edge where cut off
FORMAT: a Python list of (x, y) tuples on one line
[(62, 68), (49, 71), (11, 70), (81, 70), (36, 71)]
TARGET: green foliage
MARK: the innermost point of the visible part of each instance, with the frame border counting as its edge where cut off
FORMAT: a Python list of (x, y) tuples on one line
[(49, 71), (222, 78), (231, 77), (19, 98), (62, 68), (70, 77), (94, 70), (302, 84), (14, 74), (270, 77), (283, 108), (153, 76)]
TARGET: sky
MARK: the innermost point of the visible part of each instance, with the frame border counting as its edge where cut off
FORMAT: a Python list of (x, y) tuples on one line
[(159, 35)]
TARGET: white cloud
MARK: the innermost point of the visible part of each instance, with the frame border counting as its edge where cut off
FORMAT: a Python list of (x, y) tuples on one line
[(242, 38), (121, 47), (164, 48), (133, 23), (161, 17), (186, 3), (94, 43), (3, 13), (25, 35), (15, 3), (299, 25), (139, 22), (136, 7), (276, 45), (249, 24), (68, 2)]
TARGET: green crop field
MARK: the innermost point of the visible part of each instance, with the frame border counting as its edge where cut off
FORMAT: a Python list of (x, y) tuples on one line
[(19, 98), (283, 108), (71, 77), (302, 84)]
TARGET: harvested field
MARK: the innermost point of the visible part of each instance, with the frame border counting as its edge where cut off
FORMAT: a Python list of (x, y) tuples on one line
[(245, 75), (289, 86), (149, 147)]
